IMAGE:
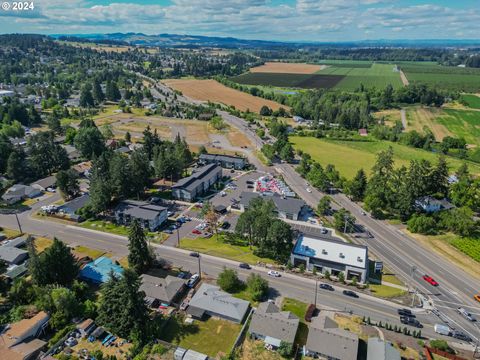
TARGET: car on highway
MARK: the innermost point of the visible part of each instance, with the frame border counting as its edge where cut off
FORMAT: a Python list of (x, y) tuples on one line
[(273, 273), (477, 297), (327, 287), (196, 232), (466, 314), (350, 293), (405, 312), (442, 329), (461, 336), (430, 280), (194, 254), (407, 320), (244, 266)]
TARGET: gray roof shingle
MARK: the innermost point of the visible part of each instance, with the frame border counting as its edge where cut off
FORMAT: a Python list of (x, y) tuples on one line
[(287, 205), (268, 320), (202, 174), (140, 209), (163, 289)]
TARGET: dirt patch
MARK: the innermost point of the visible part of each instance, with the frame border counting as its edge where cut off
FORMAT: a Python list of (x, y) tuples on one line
[(404, 79), (420, 117), (443, 248), (238, 139), (288, 68), (390, 116), (255, 350), (162, 130), (211, 90)]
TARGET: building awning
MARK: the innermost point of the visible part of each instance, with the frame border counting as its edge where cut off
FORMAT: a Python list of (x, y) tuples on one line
[(272, 341)]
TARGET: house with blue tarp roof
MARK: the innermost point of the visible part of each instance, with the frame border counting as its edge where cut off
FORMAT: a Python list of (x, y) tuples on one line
[(99, 270)]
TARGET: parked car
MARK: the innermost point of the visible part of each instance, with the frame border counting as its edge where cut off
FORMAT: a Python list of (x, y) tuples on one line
[(225, 225), (249, 186), (196, 232), (71, 341), (244, 266), (193, 280), (327, 287), (477, 297), (350, 293), (461, 336), (309, 190), (430, 280), (273, 273), (466, 314), (195, 254), (168, 231), (223, 193), (405, 312), (182, 275), (323, 230)]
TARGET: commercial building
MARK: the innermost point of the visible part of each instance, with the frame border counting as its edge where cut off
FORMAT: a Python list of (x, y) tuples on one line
[(151, 216), (286, 207), (379, 349), (326, 340), (272, 325), (225, 161), (162, 291), (210, 300), (198, 183), (332, 255)]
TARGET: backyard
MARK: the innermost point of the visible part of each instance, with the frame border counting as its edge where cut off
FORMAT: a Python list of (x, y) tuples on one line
[(211, 337), (298, 308)]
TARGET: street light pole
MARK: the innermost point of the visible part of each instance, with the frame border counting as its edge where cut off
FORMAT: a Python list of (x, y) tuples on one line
[(199, 268)]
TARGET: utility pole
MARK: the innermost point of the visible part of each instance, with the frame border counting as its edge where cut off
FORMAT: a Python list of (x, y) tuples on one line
[(316, 290), (178, 238), (412, 273), (199, 268), (18, 222)]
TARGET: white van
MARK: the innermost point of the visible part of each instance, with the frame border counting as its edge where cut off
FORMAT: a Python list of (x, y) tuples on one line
[(442, 329)]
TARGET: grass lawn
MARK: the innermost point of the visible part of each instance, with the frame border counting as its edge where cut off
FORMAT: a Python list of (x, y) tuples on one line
[(385, 291), (10, 233), (109, 227), (91, 253), (255, 350), (472, 101), (209, 337), (349, 156), (42, 243), (298, 308), (217, 247)]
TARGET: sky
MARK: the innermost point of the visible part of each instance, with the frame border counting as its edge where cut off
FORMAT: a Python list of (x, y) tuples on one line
[(285, 20)]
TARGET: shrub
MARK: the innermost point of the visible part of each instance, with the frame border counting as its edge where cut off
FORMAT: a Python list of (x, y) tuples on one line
[(285, 349), (228, 280), (309, 313), (441, 345), (422, 224)]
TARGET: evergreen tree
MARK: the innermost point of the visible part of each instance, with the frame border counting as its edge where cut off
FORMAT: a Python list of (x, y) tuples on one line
[(357, 186), (86, 98), (89, 141), (100, 184), (111, 92), (140, 167), (17, 168), (324, 205), (380, 194), (67, 183), (139, 257), (45, 156), (128, 137), (98, 94)]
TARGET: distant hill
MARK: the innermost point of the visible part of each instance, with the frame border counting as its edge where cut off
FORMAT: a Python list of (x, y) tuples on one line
[(177, 40)]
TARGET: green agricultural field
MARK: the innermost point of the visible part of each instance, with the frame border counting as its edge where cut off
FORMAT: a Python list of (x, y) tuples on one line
[(377, 75), (451, 78), (349, 156), (349, 63), (472, 101), (468, 246), (462, 123), (273, 79)]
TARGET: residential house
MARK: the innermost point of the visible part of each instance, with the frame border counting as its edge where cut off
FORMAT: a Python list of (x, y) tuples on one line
[(198, 183), (379, 349), (11, 253), (272, 325), (332, 255), (210, 300), (19, 192), (225, 161), (86, 327), (18, 341), (431, 205), (99, 270), (151, 216), (72, 152), (18, 141), (45, 183), (70, 207), (326, 340), (162, 291), (286, 207), (83, 168)]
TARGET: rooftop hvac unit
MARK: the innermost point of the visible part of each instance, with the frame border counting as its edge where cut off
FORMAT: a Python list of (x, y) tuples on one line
[(359, 259), (342, 255), (324, 252)]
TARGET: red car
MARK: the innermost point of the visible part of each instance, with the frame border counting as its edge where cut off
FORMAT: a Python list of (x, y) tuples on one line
[(430, 280), (197, 232)]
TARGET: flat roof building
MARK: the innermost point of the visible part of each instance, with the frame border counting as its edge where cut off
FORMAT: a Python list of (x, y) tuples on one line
[(381, 350), (335, 256), (225, 161), (198, 183), (151, 216)]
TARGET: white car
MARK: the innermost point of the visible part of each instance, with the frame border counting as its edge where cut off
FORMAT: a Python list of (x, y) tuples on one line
[(309, 190), (223, 193), (193, 280), (273, 273)]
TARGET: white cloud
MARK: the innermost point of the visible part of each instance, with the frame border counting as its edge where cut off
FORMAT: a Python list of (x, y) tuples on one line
[(320, 20)]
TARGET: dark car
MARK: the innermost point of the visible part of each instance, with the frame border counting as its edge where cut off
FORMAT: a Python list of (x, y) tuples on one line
[(350, 293), (194, 254), (244, 266), (407, 320), (326, 287), (461, 336), (405, 312), (225, 225)]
